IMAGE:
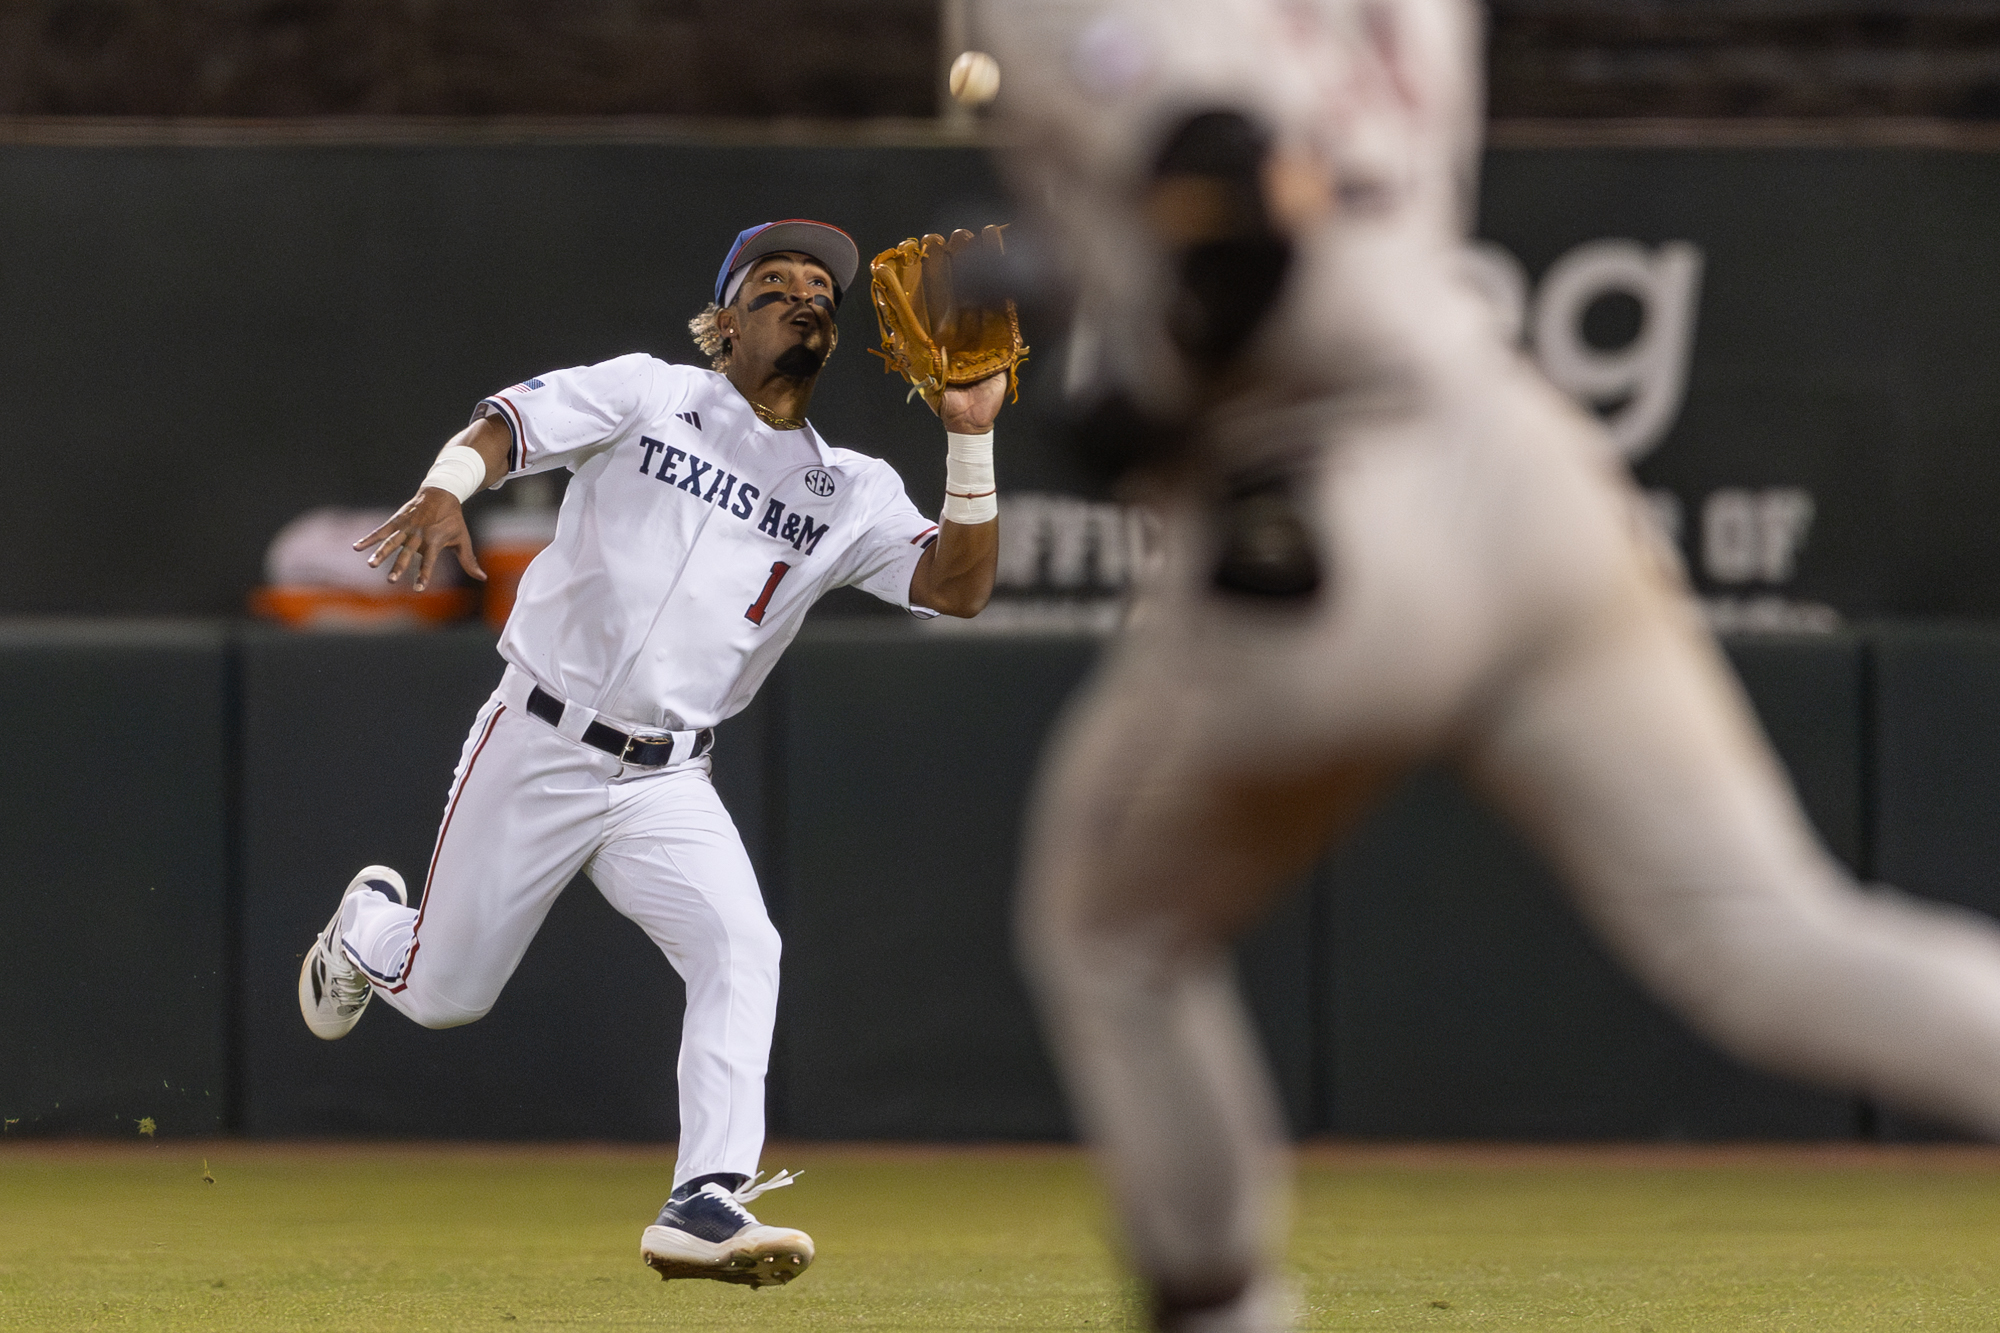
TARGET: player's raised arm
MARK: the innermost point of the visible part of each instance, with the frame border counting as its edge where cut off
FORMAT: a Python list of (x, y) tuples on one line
[(950, 329), (433, 521), (955, 576)]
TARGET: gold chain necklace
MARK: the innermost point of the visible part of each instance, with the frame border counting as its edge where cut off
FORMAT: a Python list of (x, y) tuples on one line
[(773, 420)]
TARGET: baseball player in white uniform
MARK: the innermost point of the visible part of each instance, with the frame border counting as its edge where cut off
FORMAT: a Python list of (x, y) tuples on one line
[(1382, 539), (703, 518)]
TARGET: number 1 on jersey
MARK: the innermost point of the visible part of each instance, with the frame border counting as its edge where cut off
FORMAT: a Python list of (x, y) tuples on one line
[(755, 615)]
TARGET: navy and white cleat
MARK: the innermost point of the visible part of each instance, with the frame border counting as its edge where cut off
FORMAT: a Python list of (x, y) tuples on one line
[(705, 1231), (332, 990)]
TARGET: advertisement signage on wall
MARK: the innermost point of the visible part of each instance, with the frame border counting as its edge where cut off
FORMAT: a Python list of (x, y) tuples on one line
[(1613, 323), (1795, 348), (1797, 351), (1808, 344)]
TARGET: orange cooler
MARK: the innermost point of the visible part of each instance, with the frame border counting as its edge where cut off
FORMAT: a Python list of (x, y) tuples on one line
[(508, 540)]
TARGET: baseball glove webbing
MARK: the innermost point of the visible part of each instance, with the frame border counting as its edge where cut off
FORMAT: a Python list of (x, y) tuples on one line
[(935, 333)]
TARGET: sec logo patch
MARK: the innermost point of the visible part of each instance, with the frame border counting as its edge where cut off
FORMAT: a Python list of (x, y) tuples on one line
[(819, 482)]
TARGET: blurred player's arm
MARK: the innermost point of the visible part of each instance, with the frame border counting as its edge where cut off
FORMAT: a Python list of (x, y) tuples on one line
[(955, 576), (433, 521)]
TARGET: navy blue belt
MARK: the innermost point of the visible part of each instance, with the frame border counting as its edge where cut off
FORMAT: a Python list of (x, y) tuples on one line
[(628, 749)]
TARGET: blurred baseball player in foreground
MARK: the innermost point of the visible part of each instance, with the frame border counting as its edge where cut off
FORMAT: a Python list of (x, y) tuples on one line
[(704, 517), (1383, 538)]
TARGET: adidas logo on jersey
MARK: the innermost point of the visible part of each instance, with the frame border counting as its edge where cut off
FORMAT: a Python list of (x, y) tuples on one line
[(692, 418)]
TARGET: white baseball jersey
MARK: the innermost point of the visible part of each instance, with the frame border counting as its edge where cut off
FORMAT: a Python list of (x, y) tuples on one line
[(692, 541)]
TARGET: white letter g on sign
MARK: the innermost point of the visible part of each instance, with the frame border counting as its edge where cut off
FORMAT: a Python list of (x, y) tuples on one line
[(1642, 383)]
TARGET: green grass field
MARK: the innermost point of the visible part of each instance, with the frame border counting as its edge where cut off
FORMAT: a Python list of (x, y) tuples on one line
[(382, 1238)]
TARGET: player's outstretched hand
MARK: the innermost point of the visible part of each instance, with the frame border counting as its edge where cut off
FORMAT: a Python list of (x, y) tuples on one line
[(421, 531), (970, 409)]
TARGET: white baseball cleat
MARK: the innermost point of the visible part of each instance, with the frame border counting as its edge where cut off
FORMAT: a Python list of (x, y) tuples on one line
[(332, 990), (705, 1231)]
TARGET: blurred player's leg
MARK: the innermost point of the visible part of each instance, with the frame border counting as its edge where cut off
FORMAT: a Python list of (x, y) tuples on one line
[(1142, 868), (1229, 737), (673, 862), (1631, 755), (1494, 594), (506, 849)]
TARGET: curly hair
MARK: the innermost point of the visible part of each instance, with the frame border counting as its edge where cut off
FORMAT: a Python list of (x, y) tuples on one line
[(708, 337)]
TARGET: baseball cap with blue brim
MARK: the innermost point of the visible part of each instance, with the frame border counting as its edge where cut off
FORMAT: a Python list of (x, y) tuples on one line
[(822, 241)]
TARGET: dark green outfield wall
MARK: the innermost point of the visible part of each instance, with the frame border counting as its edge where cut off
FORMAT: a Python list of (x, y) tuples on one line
[(182, 805), (213, 339), (204, 341), (117, 876)]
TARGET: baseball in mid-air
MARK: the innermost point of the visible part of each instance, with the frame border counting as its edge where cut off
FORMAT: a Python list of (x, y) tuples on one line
[(975, 78)]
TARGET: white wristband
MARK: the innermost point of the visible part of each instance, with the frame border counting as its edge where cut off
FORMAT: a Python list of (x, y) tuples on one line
[(969, 493), (460, 470)]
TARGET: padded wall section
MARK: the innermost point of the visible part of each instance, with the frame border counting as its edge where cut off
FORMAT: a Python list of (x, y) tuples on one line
[(1465, 998), (1433, 982), (1277, 965), (113, 772), (348, 750), (1937, 763), (908, 759), (1810, 693), (1937, 778)]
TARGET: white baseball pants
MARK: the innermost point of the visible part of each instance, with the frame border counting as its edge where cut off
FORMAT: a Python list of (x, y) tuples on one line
[(529, 808)]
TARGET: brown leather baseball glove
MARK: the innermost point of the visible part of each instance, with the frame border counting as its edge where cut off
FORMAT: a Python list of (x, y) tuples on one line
[(938, 329)]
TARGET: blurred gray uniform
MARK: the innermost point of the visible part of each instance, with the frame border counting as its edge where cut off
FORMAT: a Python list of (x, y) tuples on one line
[(1493, 595)]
